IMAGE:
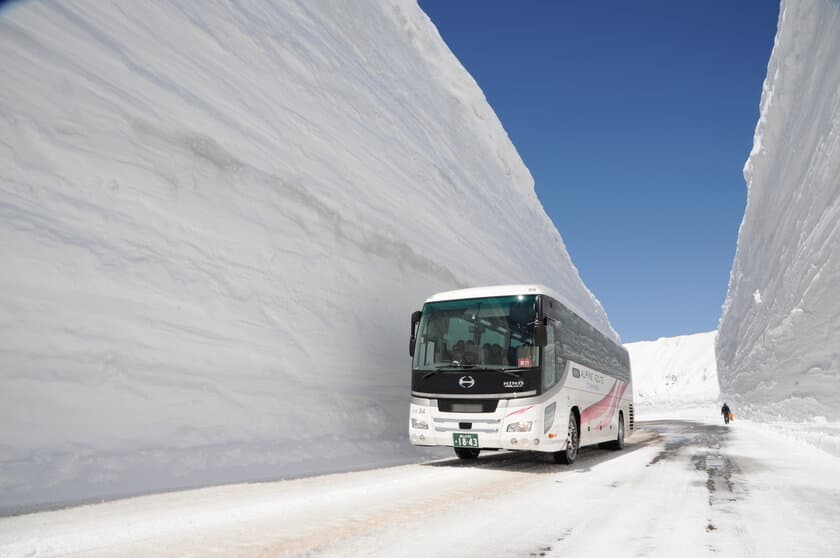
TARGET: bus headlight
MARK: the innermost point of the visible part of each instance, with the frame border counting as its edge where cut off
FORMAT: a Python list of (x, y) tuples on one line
[(419, 424), (523, 426)]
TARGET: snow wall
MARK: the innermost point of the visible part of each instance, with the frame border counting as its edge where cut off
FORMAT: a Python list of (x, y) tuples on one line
[(675, 371), (778, 346), (215, 220)]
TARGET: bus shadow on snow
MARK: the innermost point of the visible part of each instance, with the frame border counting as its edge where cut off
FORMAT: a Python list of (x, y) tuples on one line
[(538, 463)]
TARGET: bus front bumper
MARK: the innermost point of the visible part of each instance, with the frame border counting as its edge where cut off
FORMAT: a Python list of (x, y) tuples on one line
[(429, 427), (518, 441)]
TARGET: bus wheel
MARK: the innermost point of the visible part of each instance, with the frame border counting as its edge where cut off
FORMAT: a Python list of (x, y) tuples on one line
[(568, 455), (619, 440), (467, 453)]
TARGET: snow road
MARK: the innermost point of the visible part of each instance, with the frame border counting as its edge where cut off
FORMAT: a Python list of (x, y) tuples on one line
[(680, 488)]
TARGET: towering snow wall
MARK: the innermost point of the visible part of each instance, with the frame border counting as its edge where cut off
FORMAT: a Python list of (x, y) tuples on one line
[(778, 347), (215, 220), (675, 371)]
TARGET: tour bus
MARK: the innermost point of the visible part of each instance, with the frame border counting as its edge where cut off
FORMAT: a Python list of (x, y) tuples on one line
[(512, 367)]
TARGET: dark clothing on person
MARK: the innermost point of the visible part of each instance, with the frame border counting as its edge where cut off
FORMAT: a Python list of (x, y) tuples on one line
[(726, 412)]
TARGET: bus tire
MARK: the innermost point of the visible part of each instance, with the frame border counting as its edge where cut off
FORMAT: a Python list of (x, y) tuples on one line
[(618, 443), (467, 453), (568, 455)]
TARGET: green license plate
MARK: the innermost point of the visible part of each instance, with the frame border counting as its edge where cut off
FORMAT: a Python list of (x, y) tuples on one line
[(464, 440)]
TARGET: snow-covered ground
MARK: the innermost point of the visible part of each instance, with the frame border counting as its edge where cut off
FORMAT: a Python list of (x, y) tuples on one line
[(778, 348), (215, 220), (674, 371), (680, 488)]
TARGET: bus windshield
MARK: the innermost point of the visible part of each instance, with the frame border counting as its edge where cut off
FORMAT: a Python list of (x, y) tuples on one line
[(495, 333)]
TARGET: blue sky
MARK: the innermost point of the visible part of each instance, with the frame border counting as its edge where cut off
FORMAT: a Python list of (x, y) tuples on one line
[(635, 119)]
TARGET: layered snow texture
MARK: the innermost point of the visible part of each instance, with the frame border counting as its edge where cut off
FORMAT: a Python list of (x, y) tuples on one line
[(675, 371), (215, 220), (778, 347)]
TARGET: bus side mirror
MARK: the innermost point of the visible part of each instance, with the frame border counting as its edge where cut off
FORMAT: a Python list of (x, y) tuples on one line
[(541, 333), (415, 319)]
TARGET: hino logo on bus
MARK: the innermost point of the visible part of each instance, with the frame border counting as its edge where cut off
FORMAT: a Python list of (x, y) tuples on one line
[(513, 383), (466, 382)]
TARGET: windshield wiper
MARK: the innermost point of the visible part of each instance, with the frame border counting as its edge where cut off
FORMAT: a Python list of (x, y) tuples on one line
[(513, 371), (448, 366), (440, 368)]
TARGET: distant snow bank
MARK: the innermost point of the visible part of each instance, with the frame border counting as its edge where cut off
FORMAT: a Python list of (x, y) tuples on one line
[(674, 371), (778, 347), (215, 220)]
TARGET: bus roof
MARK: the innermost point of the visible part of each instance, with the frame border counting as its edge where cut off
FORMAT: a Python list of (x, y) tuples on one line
[(492, 291)]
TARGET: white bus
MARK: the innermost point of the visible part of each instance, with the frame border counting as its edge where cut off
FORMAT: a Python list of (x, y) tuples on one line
[(511, 367)]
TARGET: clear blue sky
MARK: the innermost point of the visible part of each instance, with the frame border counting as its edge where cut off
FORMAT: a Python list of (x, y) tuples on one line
[(635, 119)]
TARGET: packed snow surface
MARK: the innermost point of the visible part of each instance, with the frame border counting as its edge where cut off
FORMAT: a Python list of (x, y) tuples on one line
[(778, 346), (674, 371), (688, 488), (215, 220)]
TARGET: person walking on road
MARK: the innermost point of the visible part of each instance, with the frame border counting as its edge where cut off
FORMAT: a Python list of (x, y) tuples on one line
[(726, 412)]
